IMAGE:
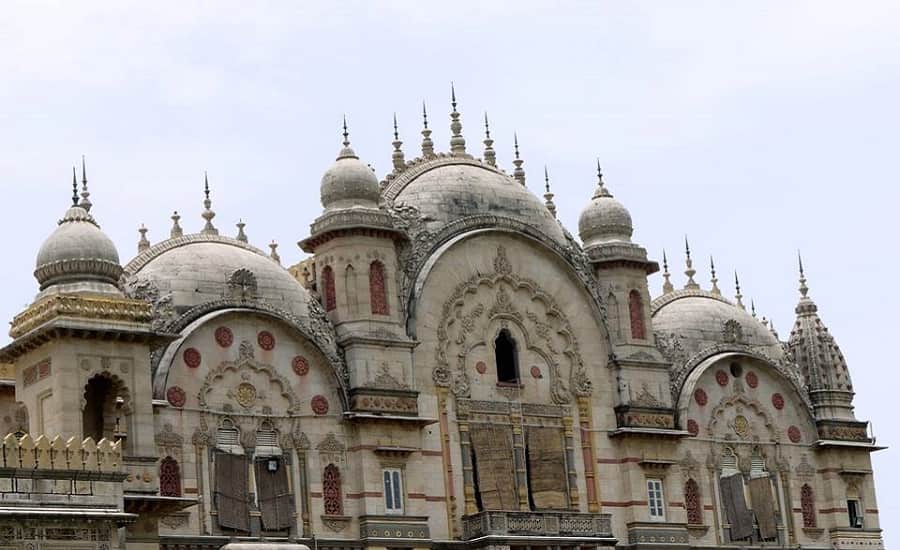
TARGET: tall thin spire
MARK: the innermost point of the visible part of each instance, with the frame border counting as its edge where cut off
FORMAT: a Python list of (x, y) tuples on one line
[(490, 156), (427, 144), (689, 267), (518, 173), (176, 227), (548, 195), (74, 188), (457, 141), (208, 214), (804, 290), (713, 280), (143, 243), (737, 291), (601, 191), (667, 284), (85, 194), (346, 150), (397, 156), (753, 308), (241, 236)]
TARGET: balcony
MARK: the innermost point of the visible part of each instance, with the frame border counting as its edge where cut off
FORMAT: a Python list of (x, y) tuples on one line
[(537, 524)]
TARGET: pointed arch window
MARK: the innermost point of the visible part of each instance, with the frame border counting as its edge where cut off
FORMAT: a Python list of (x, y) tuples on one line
[(692, 502), (331, 491), (636, 311), (506, 356), (808, 506), (377, 289), (169, 478), (328, 288)]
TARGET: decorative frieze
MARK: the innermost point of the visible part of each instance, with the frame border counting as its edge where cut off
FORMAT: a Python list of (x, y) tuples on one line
[(541, 524)]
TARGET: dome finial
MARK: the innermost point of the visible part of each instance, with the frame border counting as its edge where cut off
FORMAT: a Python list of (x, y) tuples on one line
[(715, 282), (689, 265), (274, 254), (803, 288), (347, 152), (667, 284), (74, 188), (85, 194), (241, 236), (518, 173), (397, 156), (737, 291), (208, 214), (143, 243), (490, 156), (457, 141), (346, 134), (753, 308), (548, 196), (427, 144), (601, 191), (176, 227)]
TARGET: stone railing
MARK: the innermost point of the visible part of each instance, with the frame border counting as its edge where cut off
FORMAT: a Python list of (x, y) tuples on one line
[(59, 458), (544, 524)]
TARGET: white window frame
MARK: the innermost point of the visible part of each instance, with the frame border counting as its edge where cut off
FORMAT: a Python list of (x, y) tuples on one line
[(656, 506), (392, 483)]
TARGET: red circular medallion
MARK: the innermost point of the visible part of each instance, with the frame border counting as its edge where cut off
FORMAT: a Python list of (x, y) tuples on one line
[(700, 397), (224, 337), (319, 404), (265, 340), (721, 378), (692, 427), (751, 379), (176, 396), (536, 372), (192, 358), (794, 434), (300, 365), (777, 401), (481, 367)]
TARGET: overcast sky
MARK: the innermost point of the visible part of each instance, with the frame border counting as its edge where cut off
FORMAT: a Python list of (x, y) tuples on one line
[(755, 129)]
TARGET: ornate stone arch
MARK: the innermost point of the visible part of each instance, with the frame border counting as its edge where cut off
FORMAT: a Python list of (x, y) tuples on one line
[(744, 404), (116, 384)]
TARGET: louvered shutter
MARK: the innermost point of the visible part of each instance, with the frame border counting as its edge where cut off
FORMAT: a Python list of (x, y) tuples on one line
[(232, 498), (276, 503), (547, 468), (496, 468)]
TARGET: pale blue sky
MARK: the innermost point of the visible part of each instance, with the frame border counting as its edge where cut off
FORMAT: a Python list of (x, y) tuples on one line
[(755, 128)]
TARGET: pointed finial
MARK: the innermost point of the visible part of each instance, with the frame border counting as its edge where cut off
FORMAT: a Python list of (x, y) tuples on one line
[(74, 188), (143, 243), (346, 134), (667, 284), (803, 288), (548, 196), (427, 144), (753, 308), (208, 214), (518, 173), (765, 321), (241, 236), (274, 255), (772, 328), (715, 282), (457, 141), (85, 194), (490, 156), (601, 191), (176, 228), (737, 291), (689, 264), (397, 156)]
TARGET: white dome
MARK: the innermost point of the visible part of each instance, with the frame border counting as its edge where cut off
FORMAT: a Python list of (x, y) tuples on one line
[(604, 219), (349, 183)]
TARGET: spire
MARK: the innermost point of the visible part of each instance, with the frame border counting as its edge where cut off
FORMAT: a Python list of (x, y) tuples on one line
[(689, 265), (241, 236), (397, 155), (772, 328), (667, 284), (85, 194), (548, 196), (143, 243), (803, 288), (601, 191), (274, 254), (490, 156), (427, 144), (518, 173), (752, 308), (208, 214), (74, 188), (176, 228), (737, 291), (715, 282), (347, 152), (457, 141)]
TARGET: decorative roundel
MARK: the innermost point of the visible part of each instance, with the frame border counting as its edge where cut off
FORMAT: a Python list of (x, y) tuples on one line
[(192, 358), (778, 401), (721, 378), (224, 337), (265, 340), (794, 434), (700, 397), (176, 396), (536, 372), (751, 379), (319, 404), (481, 367), (692, 427), (300, 365)]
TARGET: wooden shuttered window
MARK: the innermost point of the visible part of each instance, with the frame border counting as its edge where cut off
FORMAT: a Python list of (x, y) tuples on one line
[(276, 503), (547, 476), (232, 498), (495, 466)]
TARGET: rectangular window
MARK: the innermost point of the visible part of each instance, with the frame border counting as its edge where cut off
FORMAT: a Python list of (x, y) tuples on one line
[(655, 500), (393, 491), (855, 514)]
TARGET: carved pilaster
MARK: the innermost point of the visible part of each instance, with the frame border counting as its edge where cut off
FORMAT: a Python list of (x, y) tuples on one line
[(569, 435), (465, 445), (587, 453), (518, 434)]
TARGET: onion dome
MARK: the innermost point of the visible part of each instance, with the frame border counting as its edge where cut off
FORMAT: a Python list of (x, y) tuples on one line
[(77, 251), (349, 182), (604, 219)]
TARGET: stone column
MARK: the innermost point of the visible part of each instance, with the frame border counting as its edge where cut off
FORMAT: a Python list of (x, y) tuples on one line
[(569, 435), (465, 445), (515, 416), (587, 453)]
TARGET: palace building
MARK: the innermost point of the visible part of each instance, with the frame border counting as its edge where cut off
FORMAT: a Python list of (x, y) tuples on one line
[(449, 368)]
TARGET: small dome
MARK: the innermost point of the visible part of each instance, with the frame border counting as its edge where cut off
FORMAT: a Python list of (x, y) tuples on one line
[(77, 251), (349, 182), (604, 219)]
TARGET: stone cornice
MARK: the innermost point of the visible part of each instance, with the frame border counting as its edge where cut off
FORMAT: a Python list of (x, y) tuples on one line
[(81, 306)]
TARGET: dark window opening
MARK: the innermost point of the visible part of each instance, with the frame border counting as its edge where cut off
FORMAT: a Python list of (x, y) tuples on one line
[(169, 478), (478, 503), (506, 357), (855, 514), (736, 370), (102, 410)]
